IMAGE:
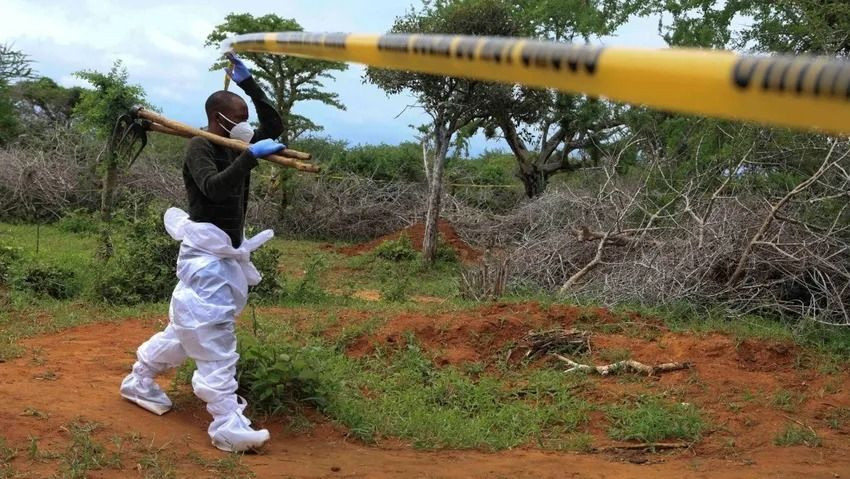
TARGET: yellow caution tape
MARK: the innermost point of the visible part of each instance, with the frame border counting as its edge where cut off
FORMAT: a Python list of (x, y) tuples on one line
[(801, 92)]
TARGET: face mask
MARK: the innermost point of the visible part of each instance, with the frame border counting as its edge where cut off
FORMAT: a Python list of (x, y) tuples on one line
[(239, 131)]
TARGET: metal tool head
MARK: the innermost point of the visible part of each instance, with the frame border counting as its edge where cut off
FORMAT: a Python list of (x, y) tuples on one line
[(129, 137)]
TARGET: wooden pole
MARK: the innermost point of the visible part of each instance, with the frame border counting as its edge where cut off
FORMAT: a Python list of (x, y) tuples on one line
[(287, 158)]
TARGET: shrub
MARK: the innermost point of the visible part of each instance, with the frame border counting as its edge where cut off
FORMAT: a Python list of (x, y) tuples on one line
[(48, 280), (266, 260), (79, 221), (141, 268), (8, 257), (275, 378), (400, 249)]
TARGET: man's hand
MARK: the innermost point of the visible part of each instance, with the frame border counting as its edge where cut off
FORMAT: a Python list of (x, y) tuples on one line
[(265, 148), (238, 71)]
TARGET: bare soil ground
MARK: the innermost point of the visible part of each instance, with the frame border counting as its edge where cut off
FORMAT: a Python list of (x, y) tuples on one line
[(76, 373)]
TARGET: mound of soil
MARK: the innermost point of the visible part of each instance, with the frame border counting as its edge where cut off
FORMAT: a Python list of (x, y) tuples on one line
[(416, 233)]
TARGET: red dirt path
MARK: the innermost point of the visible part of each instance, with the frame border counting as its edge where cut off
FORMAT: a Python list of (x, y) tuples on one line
[(87, 364)]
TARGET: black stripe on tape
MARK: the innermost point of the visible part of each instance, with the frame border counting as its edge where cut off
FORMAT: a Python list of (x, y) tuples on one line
[(780, 74)]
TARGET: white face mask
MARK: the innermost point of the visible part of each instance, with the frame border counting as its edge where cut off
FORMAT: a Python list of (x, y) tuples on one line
[(239, 131)]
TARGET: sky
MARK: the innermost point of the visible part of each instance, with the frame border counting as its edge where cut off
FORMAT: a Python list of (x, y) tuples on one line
[(162, 45)]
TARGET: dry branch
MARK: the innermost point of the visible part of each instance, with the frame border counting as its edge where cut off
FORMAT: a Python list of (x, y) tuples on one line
[(567, 341), (628, 365)]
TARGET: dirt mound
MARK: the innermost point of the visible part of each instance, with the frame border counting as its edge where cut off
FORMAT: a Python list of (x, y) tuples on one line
[(477, 335), (416, 233)]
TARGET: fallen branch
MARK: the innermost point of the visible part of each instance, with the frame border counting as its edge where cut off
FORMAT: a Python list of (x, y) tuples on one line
[(628, 365), (557, 341), (650, 445)]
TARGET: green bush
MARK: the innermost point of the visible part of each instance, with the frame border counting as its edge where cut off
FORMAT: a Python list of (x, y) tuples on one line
[(266, 260), (141, 267), (79, 221), (400, 249), (9, 256), (276, 378), (47, 280)]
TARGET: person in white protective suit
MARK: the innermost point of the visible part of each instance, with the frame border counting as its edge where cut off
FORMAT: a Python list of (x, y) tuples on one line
[(213, 268)]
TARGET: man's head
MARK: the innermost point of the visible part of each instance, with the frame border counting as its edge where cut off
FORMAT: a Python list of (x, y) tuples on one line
[(227, 104)]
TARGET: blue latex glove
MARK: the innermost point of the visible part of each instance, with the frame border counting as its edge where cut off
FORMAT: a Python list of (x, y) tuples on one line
[(238, 71), (265, 147)]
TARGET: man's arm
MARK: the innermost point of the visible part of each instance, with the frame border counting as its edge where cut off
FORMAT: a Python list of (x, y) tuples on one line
[(217, 185), (271, 125)]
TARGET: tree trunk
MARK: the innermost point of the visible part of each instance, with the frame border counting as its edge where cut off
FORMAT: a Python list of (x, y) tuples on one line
[(110, 179), (435, 193), (534, 180)]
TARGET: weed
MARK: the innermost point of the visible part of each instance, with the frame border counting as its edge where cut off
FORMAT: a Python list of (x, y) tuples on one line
[(795, 435), (308, 289), (157, 462), (838, 418), (614, 355), (788, 401), (228, 467), (84, 454), (650, 419), (395, 284), (6, 455)]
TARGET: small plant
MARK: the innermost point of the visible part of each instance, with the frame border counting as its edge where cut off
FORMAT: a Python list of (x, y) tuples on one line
[(650, 419), (400, 249), (6, 455), (795, 435), (157, 463)]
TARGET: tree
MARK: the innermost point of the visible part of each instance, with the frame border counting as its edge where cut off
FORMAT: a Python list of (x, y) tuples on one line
[(287, 80), (452, 103), (44, 101), (14, 65), (97, 112), (790, 26), (550, 132)]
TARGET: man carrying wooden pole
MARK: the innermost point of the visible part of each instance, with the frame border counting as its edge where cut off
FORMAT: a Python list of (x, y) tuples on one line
[(213, 268)]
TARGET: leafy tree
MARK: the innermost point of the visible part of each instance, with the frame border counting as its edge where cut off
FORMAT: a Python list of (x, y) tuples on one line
[(97, 112), (286, 79), (452, 103), (788, 26), (382, 162), (551, 132), (14, 65)]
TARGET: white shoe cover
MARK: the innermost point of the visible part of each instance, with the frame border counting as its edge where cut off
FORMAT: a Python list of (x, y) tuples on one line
[(146, 393), (232, 432)]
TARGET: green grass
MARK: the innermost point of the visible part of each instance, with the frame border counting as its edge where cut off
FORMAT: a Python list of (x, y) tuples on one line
[(85, 453), (651, 419), (838, 418), (228, 467), (795, 435), (788, 401), (7, 454)]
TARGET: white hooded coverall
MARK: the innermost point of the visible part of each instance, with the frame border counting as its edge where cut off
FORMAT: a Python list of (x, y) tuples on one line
[(211, 292)]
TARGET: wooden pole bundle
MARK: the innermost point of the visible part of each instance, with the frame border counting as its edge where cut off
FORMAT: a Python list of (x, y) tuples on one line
[(287, 158)]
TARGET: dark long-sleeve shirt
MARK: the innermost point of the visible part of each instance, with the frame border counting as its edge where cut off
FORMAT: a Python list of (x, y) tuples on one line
[(218, 179)]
